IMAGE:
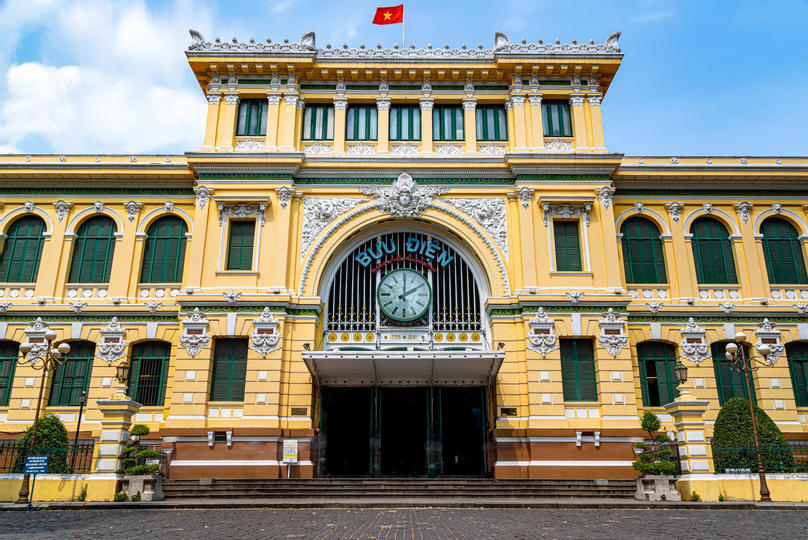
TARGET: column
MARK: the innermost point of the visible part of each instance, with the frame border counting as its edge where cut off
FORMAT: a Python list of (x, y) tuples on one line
[(525, 209), (613, 262), (301, 109), (520, 132), (226, 132), (695, 453), (511, 130), (598, 144), (261, 390), (212, 124), (281, 241), (470, 124), (340, 108), (116, 422), (682, 252), (383, 126), (615, 375), (123, 263), (578, 122), (273, 112), (426, 125), (289, 127), (192, 374), (536, 123), (196, 247), (49, 273), (752, 254)]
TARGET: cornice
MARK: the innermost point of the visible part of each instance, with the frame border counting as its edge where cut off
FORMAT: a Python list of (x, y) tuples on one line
[(395, 172)]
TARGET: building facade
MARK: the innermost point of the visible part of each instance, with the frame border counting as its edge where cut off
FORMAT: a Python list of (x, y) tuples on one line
[(417, 262)]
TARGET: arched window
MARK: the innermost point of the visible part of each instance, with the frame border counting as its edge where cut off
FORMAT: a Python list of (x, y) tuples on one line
[(657, 360), (164, 255), (92, 254), (73, 377), (730, 383), (22, 251), (712, 252), (797, 353), (149, 372), (643, 257), (8, 360), (781, 248)]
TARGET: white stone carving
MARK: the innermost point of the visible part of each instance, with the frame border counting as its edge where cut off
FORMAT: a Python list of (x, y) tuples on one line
[(489, 213), (675, 161), (694, 343), (575, 296), (383, 86), (291, 99), (427, 104), (319, 212), (29, 206), (565, 211), (153, 306), (508, 104), (169, 206), (576, 79), (340, 104), (594, 101), (5, 306), (132, 209), (675, 210), (214, 99), (534, 100), (317, 149), (195, 334), (301, 103), (62, 159), (449, 150), (744, 210), (770, 336), (404, 150), (62, 208), (99, 206), (426, 86), (576, 99), (383, 104), (525, 196), (265, 337), (777, 207), (801, 308), (654, 306), (250, 144), (113, 345), (605, 196), (708, 207), (639, 207), (78, 307), (243, 210), (727, 307), (404, 198), (542, 338), (232, 296), (612, 333), (232, 99), (203, 194), (274, 99), (558, 145), (518, 101), (469, 87), (35, 335), (502, 45), (285, 194), (491, 149), (469, 104), (744, 161), (340, 86), (361, 149)]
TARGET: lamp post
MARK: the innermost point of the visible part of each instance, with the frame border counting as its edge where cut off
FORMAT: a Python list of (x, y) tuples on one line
[(122, 376), (744, 365), (681, 376), (49, 360)]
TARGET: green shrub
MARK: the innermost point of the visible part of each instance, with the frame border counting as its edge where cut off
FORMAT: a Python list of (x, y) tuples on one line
[(651, 460), (139, 430), (147, 454), (721, 497), (695, 497), (136, 497), (733, 429), (121, 496), (83, 494), (139, 470), (51, 440)]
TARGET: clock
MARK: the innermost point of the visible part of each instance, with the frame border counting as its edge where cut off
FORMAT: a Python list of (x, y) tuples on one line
[(404, 295)]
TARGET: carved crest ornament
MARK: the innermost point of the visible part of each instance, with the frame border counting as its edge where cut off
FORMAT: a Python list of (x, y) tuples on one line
[(542, 338), (694, 343), (404, 198), (265, 338), (612, 333), (195, 334), (112, 346)]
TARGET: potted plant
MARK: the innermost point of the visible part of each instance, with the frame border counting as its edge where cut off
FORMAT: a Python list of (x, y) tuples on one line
[(142, 472), (657, 481)]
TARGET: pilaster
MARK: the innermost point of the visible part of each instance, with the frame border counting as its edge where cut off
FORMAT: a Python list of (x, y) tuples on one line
[(426, 124), (273, 113), (470, 124), (212, 124), (196, 247), (383, 140), (226, 133), (578, 122), (340, 113), (598, 143), (48, 275), (520, 131), (536, 123), (289, 123)]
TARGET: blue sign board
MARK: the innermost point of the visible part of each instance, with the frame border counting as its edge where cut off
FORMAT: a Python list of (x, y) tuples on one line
[(36, 464)]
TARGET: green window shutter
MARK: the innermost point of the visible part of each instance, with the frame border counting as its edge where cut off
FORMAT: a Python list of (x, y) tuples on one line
[(797, 353), (20, 258), (712, 252), (785, 263), (241, 244), (8, 361), (164, 253), (93, 252), (567, 246), (229, 370), (730, 383), (148, 375), (72, 377), (578, 376), (643, 256)]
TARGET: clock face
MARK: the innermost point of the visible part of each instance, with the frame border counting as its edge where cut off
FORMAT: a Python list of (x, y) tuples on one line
[(404, 295)]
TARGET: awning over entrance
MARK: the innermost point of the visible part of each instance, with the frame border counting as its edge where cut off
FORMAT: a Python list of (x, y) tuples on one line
[(403, 368)]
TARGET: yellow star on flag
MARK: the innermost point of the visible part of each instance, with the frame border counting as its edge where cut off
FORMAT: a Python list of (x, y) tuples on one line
[(387, 16)]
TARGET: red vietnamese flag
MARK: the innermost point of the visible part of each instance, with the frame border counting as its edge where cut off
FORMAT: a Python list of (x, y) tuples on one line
[(389, 15)]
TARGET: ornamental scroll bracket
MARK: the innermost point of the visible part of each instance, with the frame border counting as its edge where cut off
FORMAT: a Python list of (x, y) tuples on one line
[(612, 333), (542, 338), (265, 337), (113, 345), (694, 343), (195, 333), (768, 335), (35, 335), (565, 210), (243, 210)]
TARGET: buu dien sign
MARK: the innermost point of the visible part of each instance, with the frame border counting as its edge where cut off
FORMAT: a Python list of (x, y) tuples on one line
[(411, 250)]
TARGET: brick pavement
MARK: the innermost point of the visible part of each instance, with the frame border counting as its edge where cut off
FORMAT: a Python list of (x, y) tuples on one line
[(405, 524)]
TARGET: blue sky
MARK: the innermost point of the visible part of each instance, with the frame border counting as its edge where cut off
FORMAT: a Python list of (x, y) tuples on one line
[(698, 77)]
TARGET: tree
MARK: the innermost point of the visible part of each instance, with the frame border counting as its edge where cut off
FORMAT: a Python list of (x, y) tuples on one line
[(652, 461), (734, 440), (51, 440)]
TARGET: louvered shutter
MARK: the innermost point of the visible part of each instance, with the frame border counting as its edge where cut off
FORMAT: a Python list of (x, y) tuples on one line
[(573, 246), (568, 372), (800, 378), (221, 371), (646, 398), (586, 370), (663, 381), (147, 269)]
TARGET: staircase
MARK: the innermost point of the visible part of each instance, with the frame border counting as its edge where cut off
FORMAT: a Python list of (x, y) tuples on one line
[(403, 488)]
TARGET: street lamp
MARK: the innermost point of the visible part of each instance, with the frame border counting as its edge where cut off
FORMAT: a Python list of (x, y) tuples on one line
[(47, 361), (742, 364)]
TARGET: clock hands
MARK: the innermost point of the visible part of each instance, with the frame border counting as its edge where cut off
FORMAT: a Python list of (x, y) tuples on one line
[(410, 291)]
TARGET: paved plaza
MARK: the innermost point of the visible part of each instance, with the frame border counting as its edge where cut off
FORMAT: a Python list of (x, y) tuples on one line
[(403, 524)]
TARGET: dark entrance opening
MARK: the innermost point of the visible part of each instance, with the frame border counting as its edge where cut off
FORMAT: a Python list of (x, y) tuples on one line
[(404, 431), (460, 431), (346, 430)]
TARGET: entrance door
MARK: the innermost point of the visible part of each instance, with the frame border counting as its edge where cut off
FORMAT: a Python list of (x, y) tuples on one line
[(346, 430), (404, 431), (461, 431)]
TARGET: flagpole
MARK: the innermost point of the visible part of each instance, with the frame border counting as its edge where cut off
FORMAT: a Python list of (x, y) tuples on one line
[(403, 41)]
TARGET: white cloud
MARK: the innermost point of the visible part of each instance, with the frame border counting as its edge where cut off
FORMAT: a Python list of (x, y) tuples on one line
[(283, 5)]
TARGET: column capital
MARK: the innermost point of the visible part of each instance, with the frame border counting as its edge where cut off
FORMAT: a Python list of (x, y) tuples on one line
[(427, 103), (340, 103), (518, 100), (470, 104), (594, 99), (383, 103), (291, 99), (576, 99), (273, 99), (214, 99), (508, 104), (301, 103), (232, 99), (534, 100)]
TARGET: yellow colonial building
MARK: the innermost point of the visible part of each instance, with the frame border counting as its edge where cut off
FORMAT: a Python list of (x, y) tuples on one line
[(412, 262)]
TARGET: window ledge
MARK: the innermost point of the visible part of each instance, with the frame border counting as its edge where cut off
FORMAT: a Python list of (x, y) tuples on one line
[(236, 272), (568, 273)]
